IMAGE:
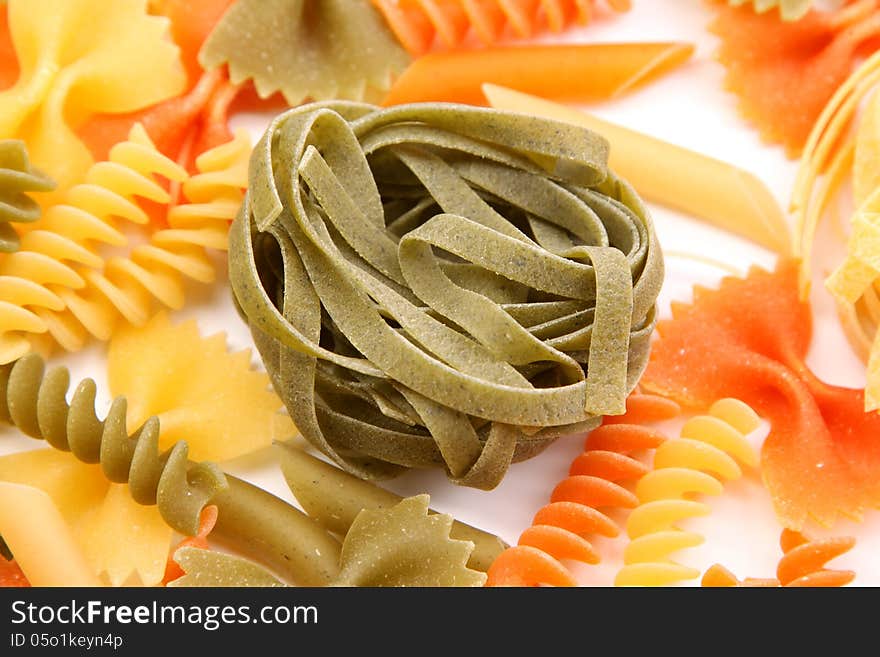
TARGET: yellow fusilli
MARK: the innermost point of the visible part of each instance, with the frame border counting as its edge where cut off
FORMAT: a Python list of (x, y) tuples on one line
[(698, 462)]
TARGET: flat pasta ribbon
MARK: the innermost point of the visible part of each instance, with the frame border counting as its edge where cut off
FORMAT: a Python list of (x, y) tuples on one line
[(479, 285), (749, 339)]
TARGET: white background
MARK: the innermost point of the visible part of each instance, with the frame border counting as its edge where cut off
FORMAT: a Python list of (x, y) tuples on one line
[(688, 107)]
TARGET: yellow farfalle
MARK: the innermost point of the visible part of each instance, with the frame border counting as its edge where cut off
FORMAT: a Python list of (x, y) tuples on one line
[(77, 58), (121, 541), (200, 391)]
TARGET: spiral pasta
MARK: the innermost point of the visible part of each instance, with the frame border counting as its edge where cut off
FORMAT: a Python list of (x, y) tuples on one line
[(706, 454), (595, 480), (802, 564), (17, 177), (62, 251), (418, 23), (417, 282), (129, 285), (35, 402)]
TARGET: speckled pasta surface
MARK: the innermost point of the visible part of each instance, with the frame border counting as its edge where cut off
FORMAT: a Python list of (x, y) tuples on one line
[(35, 401), (439, 285)]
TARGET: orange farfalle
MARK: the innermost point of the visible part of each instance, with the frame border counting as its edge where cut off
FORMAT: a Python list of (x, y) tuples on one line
[(11, 575), (748, 340), (206, 525), (785, 72)]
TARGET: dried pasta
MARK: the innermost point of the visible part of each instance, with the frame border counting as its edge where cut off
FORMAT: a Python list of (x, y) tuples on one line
[(820, 458), (196, 389), (419, 24), (847, 153), (785, 72), (547, 343), (802, 564), (334, 498), (17, 178), (131, 285), (126, 63), (405, 546), (716, 191), (597, 479), (305, 49), (573, 72), (789, 10), (40, 539), (61, 253), (36, 404), (709, 452)]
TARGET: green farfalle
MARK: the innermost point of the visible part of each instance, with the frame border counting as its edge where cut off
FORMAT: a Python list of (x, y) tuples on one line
[(789, 10), (441, 285), (405, 546), (306, 49), (17, 177), (402, 545), (205, 568), (334, 498)]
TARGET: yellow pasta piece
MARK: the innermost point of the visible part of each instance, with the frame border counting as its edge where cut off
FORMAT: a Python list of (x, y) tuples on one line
[(43, 545), (79, 57), (200, 392), (135, 556), (706, 455), (127, 542), (709, 189), (866, 167)]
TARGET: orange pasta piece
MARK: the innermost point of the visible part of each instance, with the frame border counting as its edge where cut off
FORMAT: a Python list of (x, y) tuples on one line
[(748, 340), (11, 575), (804, 561), (785, 72), (191, 23), (183, 127), (570, 72), (207, 520), (559, 530), (8, 58), (419, 24), (802, 564)]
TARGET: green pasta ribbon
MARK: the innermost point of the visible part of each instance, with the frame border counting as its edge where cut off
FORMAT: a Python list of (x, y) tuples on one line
[(439, 285), (17, 177)]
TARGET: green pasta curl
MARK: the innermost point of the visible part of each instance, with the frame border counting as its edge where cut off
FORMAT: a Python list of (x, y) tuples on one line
[(17, 177), (35, 402), (439, 285)]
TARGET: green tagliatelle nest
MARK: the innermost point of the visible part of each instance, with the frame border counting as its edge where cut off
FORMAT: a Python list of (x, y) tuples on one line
[(441, 285)]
